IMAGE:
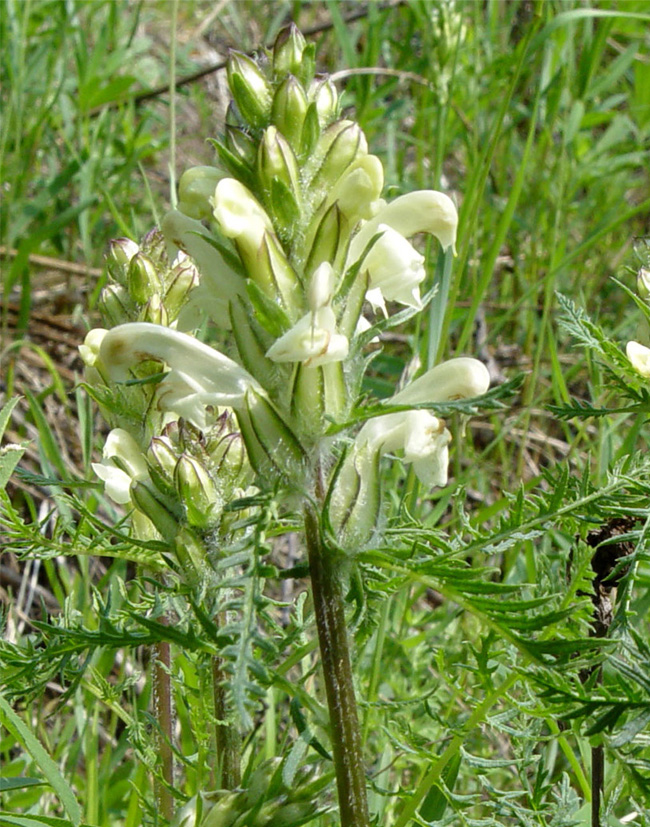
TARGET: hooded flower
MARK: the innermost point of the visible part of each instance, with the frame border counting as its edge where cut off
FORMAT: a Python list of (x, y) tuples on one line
[(395, 268), (199, 378), (421, 435)]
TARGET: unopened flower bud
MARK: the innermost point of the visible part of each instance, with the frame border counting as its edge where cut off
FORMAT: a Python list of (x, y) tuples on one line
[(143, 279), (240, 216), (241, 144), (185, 280), (154, 312), (289, 109), (196, 490), (643, 283), (159, 512), (355, 498), (324, 95), (278, 172), (276, 160), (272, 447), (121, 251), (250, 89), (321, 287), (229, 457), (289, 56), (116, 305), (195, 189), (340, 145), (358, 192), (324, 244), (273, 272), (162, 459)]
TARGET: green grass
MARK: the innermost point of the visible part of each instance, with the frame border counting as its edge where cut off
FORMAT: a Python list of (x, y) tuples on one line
[(536, 118)]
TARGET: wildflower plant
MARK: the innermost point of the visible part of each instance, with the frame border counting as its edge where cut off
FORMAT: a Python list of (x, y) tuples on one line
[(287, 250)]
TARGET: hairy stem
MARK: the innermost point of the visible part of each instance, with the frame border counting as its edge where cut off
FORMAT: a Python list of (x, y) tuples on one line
[(164, 716), (345, 733), (227, 736)]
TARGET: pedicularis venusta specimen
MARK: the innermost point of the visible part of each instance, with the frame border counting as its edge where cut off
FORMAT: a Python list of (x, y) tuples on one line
[(285, 244)]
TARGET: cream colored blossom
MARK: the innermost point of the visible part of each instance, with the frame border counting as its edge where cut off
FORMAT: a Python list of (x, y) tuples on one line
[(639, 356)]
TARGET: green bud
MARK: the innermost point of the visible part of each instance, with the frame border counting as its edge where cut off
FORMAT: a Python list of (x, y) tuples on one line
[(241, 144), (224, 813), (340, 145), (161, 459), (229, 457), (120, 253), (288, 52), (153, 245), (233, 118), (325, 244), (160, 514), (143, 278), (196, 189), (155, 312), (116, 305), (275, 159), (196, 489), (290, 815), (186, 278), (289, 109), (643, 283), (311, 133), (275, 276), (271, 445), (250, 89), (323, 93), (252, 342), (278, 172), (354, 498), (258, 786)]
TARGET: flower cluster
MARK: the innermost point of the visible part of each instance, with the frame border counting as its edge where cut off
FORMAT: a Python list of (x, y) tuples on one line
[(291, 242)]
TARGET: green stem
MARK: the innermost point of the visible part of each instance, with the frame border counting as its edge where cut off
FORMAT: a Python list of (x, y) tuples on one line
[(329, 607), (227, 736), (165, 717)]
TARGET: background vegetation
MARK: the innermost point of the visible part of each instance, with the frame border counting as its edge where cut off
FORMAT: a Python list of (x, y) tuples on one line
[(536, 118)]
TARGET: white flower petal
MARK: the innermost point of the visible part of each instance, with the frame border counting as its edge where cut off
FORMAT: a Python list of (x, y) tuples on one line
[(639, 357), (313, 340), (321, 286), (421, 436), (424, 211), (240, 215), (117, 483), (127, 344), (460, 378), (395, 268)]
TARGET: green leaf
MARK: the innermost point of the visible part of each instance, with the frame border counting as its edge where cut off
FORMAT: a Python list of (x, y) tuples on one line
[(36, 821), (24, 736), (19, 783), (434, 805)]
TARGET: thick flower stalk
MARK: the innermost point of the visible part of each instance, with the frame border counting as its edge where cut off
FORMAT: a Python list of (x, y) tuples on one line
[(291, 244)]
